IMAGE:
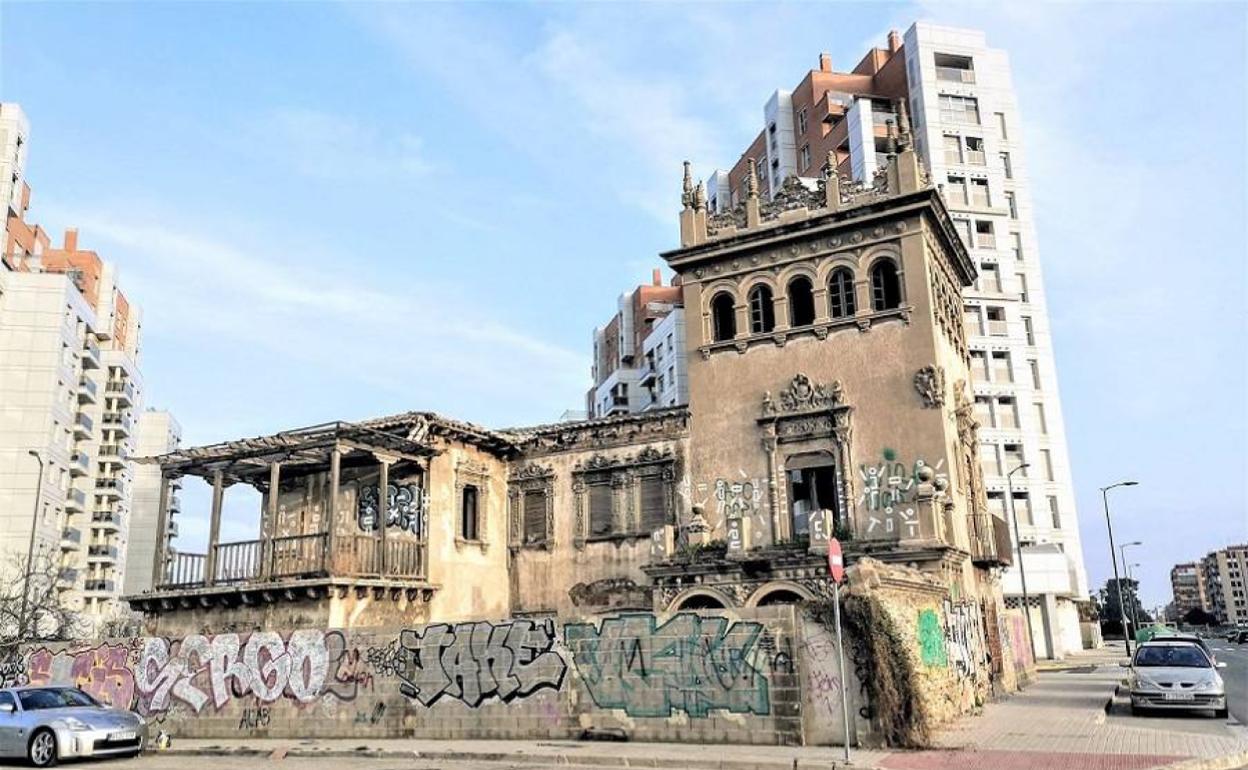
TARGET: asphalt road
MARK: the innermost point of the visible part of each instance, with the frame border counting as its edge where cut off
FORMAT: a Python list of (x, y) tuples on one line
[(177, 762), (1235, 656)]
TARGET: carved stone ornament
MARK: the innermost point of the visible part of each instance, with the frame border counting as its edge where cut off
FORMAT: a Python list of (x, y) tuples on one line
[(802, 394), (930, 383)]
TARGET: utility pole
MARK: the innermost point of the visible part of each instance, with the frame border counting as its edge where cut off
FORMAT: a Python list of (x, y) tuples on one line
[(1113, 556), (30, 549)]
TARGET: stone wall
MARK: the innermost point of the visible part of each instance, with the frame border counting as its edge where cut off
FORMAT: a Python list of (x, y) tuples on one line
[(756, 676)]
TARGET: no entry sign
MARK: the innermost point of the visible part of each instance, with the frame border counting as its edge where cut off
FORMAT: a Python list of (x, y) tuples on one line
[(836, 561)]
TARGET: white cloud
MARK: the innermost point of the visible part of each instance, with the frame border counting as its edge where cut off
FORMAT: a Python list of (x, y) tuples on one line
[(334, 147)]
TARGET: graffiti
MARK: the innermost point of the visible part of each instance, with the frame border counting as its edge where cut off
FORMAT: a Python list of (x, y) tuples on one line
[(13, 671), (964, 638), (404, 508), (200, 670), (472, 662), (690, 663), (889, 490), (101, 672), (1024, 658), (739, 499), (932, 639), (385, 661), (372, 716), (254, 718)]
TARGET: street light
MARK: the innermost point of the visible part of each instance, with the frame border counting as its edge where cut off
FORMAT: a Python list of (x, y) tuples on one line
[(1122, 552), (1018, 545), (1113, 557), (30, 549), (1135, 594)]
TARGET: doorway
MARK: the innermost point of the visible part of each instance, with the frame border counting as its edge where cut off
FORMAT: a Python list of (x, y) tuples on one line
[(812, 489)]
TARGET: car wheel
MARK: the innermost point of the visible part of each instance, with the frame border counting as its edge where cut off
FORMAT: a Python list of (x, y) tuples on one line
[(1138, 711), (42, 749), (1220, 713)]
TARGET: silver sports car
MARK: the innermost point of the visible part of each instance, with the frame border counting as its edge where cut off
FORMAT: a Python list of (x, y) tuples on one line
[(44, 724)]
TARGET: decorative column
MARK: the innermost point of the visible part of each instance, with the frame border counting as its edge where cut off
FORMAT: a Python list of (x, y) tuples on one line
[(214, 527), (162, 529), (331, 506)]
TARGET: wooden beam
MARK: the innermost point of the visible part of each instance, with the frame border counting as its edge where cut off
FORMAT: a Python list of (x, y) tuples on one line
[(214, 526)]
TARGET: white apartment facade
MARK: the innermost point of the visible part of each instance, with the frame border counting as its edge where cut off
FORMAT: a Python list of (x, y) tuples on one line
[(965, 123), (638, 363), (157, 433)]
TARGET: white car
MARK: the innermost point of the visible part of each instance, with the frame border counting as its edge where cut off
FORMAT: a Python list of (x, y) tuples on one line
[(44, 724), (1175, 675)]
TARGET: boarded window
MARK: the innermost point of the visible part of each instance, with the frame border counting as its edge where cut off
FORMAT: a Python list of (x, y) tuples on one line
[(534, 516), (469, 526), (600, 509), (653, 504)]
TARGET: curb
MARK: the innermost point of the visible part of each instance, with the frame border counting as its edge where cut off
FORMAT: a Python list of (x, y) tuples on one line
[(1224, 762)]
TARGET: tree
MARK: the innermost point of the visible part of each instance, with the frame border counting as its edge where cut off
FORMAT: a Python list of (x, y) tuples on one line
[(30, 606), (1107, 600)]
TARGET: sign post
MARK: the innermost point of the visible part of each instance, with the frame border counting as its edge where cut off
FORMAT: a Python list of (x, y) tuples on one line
[(836, 571)]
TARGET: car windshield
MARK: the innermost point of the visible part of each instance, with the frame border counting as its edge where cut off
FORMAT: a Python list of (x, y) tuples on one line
[(54, 698), (1176, 656)]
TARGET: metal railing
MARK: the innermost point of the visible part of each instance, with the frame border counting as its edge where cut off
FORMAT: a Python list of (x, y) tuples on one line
[(84, 422), (121, 389), (955, 74), (106, 551), (117, 421)]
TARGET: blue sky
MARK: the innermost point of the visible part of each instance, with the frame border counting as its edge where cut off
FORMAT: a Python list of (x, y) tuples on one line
[(343, 210)]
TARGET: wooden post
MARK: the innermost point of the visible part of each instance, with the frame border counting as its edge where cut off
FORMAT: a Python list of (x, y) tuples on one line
[(214, 527), (331, 507), (162, 528), (269, 529), (383, 503)]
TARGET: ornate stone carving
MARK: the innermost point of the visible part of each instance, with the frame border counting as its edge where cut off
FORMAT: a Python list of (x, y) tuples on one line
[(531, 478), (803, 394), (602, 434), (930, 384)]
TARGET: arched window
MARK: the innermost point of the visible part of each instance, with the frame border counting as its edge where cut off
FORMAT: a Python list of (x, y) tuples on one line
[(885, 287), (841, 301), (780, 596), (701, 602), (723, 316), (801, 302), (762, 312)]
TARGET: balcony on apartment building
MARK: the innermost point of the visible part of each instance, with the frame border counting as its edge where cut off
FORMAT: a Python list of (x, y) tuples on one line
[(83, 425), (121, 391), (87, 390), (75, 500), (107, 520), (111, 488), (117, 423), (112, 454), (325, 457), (66, 576), (102, 553), (71, 539), (955, 69), (99, 586), (90, 354), (79, 464)]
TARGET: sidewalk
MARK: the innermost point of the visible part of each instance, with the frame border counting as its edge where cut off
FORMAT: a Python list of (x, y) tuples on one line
[(1061, 721), (1108, 655)]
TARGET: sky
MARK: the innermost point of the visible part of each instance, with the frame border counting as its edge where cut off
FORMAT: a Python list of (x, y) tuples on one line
[(337, 211)]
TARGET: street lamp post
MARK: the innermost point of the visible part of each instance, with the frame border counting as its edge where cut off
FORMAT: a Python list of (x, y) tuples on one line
[(1113, 557), (1135, 595), (1018, 547), (30, 549), (1122, 553)]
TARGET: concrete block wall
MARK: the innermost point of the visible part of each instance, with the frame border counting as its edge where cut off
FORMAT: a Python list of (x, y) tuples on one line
[(715, 676)]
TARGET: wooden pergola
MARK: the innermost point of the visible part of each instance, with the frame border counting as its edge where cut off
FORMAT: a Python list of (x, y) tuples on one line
[(262, 462)]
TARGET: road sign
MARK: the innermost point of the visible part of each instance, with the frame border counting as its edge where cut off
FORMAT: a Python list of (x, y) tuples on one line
[(836, 561)]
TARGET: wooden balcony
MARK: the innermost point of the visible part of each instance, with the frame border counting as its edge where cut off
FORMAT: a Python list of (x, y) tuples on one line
[(990, 540)]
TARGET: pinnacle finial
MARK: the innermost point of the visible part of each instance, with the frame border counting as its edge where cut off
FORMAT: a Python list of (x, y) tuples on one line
[(832, 163), (699, 197), (751, 180), (686, 196), (892, 136), (903, 120)]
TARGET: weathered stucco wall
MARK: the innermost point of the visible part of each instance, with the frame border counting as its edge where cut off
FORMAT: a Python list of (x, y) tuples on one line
[(740, 677)]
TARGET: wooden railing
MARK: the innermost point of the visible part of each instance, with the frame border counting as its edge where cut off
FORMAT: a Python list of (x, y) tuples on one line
[(298, 556)]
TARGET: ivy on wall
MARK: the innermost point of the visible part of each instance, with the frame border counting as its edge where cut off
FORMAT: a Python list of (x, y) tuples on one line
[(883, 665)]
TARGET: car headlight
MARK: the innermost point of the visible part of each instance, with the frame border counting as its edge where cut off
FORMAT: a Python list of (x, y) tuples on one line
[(1145, 684), (1211, 684), (76, 724)]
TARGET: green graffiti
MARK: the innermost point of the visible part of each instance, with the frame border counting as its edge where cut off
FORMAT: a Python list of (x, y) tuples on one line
[(890, 454), (931, 639)]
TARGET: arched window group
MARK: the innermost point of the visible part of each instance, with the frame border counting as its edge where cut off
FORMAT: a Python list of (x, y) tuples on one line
[(842, 300)]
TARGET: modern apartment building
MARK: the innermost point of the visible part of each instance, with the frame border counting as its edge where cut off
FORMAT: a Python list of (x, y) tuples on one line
[(69, 384), (1226, 596), (157, 433), (638, 360), (954, 95), (1187, 585)]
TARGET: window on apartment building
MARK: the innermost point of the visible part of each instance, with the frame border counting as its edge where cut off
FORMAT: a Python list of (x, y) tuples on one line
[(983, 412), (1001, 367), (979, 193), (1022, 508), (996, 503), (1016, 246), (975, 151), (1035, 373), (841, 300), (1006, 165), (1046, 462), (979, 366), (996, 321), (953, 150), (1001, 126), (1007, 412), (1055, 514), (601, 510), (954, 68), (989, 277), (1013, 456), (973, 320), (469, 521), (762, 310), (805, 157), (989, 460), (959, 109), (723, 317), (885, 285), (1023, 295), (801, 121), (1042, 421), (984, 237), (1027, 327), (1011, 200), (963, 226), (801, 302), (955, 191)]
